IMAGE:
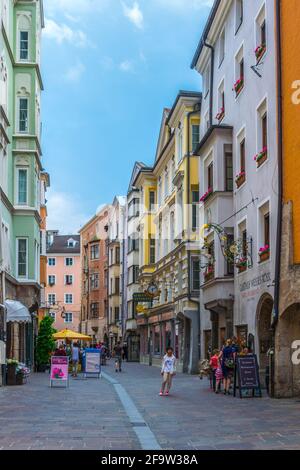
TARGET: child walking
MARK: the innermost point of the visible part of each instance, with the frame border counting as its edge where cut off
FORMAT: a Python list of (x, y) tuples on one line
[(168, 371), (219, 377)]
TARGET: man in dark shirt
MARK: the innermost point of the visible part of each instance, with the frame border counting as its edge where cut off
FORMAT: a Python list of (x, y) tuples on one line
[(118, 356)]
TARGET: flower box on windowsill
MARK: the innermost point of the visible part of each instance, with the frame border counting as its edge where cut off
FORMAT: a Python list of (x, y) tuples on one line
[(238, 86), (264, 253), (242, 268), (206, 195), (240, 179), (259, 52), (220, 116), (209, 274), (264, 256), (261, 157)]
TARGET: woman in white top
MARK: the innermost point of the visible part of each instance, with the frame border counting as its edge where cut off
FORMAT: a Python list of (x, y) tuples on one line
[(168, 370)]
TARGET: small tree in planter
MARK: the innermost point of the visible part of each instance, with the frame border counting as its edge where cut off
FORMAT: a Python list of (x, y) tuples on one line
[(45, 343)]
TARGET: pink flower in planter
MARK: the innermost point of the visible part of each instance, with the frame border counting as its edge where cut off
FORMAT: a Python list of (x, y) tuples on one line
[(206, 194), (264, 249)]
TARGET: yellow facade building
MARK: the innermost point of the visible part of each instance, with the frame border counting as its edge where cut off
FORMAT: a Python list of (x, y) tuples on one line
[(169, 247), (287, 304)]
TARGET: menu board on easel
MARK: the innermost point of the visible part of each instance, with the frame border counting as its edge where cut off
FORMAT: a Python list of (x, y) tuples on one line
[(59, 373), (246, 375)]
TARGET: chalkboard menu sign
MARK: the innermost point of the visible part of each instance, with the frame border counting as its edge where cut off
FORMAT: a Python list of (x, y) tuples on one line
[(247, 374)]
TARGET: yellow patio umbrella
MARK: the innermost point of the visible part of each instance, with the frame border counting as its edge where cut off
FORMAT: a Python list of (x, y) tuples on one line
[(69, 334)]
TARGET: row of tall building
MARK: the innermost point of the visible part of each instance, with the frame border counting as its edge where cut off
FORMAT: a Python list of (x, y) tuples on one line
[(210, 230), (23, 179)]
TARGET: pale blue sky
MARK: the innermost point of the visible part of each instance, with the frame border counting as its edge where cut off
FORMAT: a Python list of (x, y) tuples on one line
[(109, 68)]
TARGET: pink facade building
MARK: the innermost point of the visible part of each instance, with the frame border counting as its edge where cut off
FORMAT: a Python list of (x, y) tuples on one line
[(63, 291)]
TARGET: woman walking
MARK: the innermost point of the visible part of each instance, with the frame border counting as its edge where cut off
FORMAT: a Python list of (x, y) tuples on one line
[(168, 371), (227, 358)]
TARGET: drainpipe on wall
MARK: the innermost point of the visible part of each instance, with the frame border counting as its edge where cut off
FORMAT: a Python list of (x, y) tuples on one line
[(212, 71), (280, 184)]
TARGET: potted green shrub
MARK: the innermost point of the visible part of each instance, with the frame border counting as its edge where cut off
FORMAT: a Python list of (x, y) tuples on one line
[(11, 365), (45, 344)]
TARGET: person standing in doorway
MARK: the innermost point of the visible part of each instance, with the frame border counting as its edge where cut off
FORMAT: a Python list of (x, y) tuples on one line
[(227, 357), (75, 359), (118, 350), (168, 371)]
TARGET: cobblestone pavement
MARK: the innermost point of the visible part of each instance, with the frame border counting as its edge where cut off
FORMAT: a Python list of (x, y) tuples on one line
[(90, 415)]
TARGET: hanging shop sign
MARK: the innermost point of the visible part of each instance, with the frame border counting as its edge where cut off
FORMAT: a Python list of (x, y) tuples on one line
[(247, 375), (142, 297)]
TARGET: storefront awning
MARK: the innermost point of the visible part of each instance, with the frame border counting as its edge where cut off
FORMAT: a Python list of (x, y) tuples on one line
[(17, 312)]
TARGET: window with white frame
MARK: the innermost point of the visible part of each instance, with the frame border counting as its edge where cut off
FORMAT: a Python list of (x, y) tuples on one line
[(68, 298), (22, 257), (24, 45), (195, 208), (51, 299), (243, 238), (95, 252), (239, 14), (264, 228), (241, 151), (262, 126), (94, 281), (239, 71), (68, 279), (195, 136), (261, 34), (51, 280), (23, 114), (69, 261), (51, 261), (196, 270), (222, 47), (22, 186), (68, 317)]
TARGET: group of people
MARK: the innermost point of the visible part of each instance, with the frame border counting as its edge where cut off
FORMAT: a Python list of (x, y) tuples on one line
[(222, 363), (75, 353)]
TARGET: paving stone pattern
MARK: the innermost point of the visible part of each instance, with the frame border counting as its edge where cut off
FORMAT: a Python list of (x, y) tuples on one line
[(90, 415)]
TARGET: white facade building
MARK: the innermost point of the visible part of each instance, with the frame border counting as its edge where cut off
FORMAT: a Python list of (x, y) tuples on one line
[(238, 122)]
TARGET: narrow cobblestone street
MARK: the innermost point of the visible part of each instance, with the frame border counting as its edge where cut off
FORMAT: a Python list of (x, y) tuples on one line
[(91, 415)]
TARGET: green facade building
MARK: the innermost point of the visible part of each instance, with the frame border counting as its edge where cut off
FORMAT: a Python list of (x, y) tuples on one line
[(20, 168)]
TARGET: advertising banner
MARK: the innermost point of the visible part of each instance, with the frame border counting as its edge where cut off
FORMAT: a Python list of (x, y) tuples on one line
[(92, 362), (59, 370)]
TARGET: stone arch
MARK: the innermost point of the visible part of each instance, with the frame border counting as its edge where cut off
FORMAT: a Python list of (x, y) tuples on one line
[(287, 374), (264, 331)]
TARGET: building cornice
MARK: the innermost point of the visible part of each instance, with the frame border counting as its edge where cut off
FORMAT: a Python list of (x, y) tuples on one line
[(6, 201), (4, 116), (3, 132)]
